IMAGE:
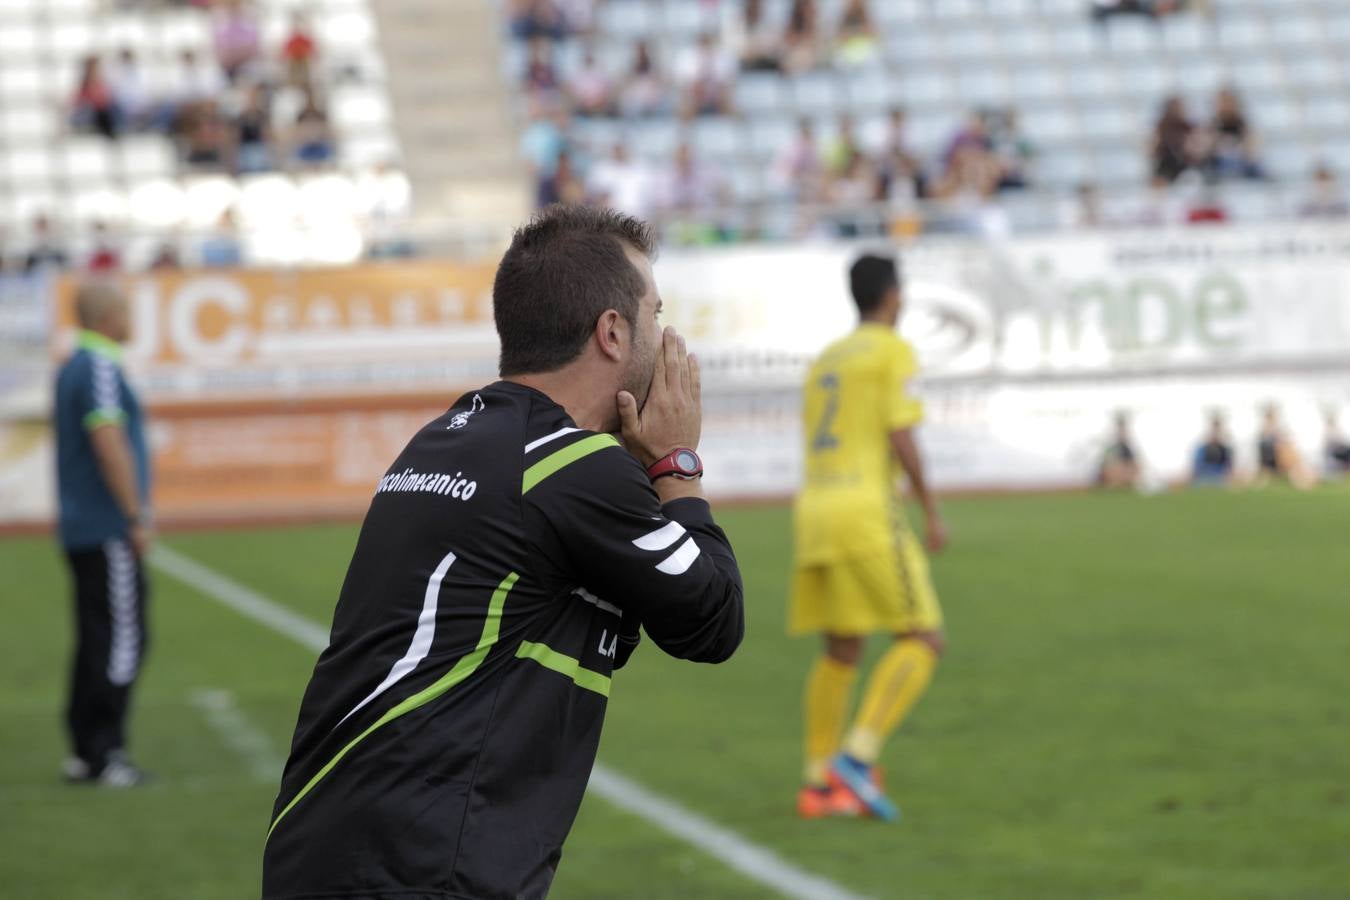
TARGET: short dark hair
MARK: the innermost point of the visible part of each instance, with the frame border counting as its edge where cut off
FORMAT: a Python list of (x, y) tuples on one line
[(870, 278), (562, 271)]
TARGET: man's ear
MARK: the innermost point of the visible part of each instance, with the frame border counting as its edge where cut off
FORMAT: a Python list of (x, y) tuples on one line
[(612, 335)]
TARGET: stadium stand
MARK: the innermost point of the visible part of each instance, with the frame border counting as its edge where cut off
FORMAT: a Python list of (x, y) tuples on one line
[(1077, 98), (153, 141)]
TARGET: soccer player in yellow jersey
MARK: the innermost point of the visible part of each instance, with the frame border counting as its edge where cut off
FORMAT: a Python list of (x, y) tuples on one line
[(859, 568)]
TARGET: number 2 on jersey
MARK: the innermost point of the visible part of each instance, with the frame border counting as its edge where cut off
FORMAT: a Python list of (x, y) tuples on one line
[(825, 438)]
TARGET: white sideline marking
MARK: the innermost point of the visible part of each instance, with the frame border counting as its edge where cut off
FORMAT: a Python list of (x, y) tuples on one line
[(751, 860), (223, 714)]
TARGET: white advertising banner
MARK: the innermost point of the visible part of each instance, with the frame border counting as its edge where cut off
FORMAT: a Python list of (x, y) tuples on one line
[(1030, 346)]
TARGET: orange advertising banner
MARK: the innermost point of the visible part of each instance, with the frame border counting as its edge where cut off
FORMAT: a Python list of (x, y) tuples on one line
[(221, 335), (286, 394)]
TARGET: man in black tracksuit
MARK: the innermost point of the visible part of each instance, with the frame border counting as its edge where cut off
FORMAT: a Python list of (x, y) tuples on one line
[(508, 560)]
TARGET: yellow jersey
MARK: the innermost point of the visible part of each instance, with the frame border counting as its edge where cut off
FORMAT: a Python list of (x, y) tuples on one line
[(856, 394)]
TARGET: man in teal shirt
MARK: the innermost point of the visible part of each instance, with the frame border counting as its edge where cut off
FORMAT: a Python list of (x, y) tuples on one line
[(103, 477)]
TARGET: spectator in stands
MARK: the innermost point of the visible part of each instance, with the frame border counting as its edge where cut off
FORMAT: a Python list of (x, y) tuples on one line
[(1335, 448), (967, 190), (564, 186), (578, 16), (1120, 466), (844, 150), (973, 134), (236, 37), (1276, 454), (1325, 200), (644, 94), (1230, 146), (688, 186), (540, 73), (1011, 148), (104, 257), (1213, 463), (253, 133), (208, 139), (798, 172), (705, 75), (197, 81), (221, 248), (751, 36), (591, 89), (387, 198), (1173, 149), (1102, 10), (545, 138), (801, 42), (532, 19), (621, 183), (1207, 207), (166, 259), (857, 41), (852, 191), (1086, 209), (131, 94), (46, 253), (299, 51), (312, 137), (901, 170), (94, 108)]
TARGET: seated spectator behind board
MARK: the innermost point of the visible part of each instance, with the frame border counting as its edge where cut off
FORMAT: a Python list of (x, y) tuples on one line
[(856, 42), (1277, 456), (94, 107), (254, 133), (540, 72), (299, 51), (532, 19), (1325, 199), (130, 91), (644, 93), (1230, 146), (1213, 463), (221, 248), (312, 137), (591, 88), (1120, 465), (1174, 143), (207, 138), (705, 75), (46, 253), (751, 36), (104, 257), (1336, 448), (802, 40), (236, 37)]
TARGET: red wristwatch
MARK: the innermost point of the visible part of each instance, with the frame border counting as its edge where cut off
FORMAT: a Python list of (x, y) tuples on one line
[(681, 463)]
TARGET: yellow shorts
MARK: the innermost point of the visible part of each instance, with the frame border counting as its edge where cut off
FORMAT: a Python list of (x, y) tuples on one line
[(881, 592)]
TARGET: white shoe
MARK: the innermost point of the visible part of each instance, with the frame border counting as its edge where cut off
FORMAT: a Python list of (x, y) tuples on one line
[(119, 773), (75, 769)]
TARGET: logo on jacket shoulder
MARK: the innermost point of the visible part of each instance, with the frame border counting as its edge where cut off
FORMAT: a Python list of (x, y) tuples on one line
[(459, 420)]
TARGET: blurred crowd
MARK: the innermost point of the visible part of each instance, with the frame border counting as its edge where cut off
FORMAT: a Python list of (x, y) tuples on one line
[(247, 108), (843, 179), (1214, 460), (987, 154)]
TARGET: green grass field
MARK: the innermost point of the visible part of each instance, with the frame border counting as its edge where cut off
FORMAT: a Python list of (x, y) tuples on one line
[(1143, 697)]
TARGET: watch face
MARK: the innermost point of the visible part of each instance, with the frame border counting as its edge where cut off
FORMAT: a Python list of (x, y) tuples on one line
[(686, 462)]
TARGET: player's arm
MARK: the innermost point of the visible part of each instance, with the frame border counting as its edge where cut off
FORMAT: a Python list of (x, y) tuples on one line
[(654, 551), (903, 413), (104, 420), (907, 452), (668, 567)]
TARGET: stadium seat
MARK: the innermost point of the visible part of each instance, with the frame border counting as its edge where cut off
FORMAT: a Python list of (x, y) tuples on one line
[(87, 160), (207, 198), (157, 204), (103, 204)]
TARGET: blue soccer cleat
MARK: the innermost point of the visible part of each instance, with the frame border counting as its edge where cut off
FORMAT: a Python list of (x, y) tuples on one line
[(864, 782)]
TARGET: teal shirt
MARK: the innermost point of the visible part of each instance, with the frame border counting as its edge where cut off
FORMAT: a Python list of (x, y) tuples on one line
[(92, 390)]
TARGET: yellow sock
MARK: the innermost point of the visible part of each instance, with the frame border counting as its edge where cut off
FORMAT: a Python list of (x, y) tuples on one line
[(826, 707), (897, 683)]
